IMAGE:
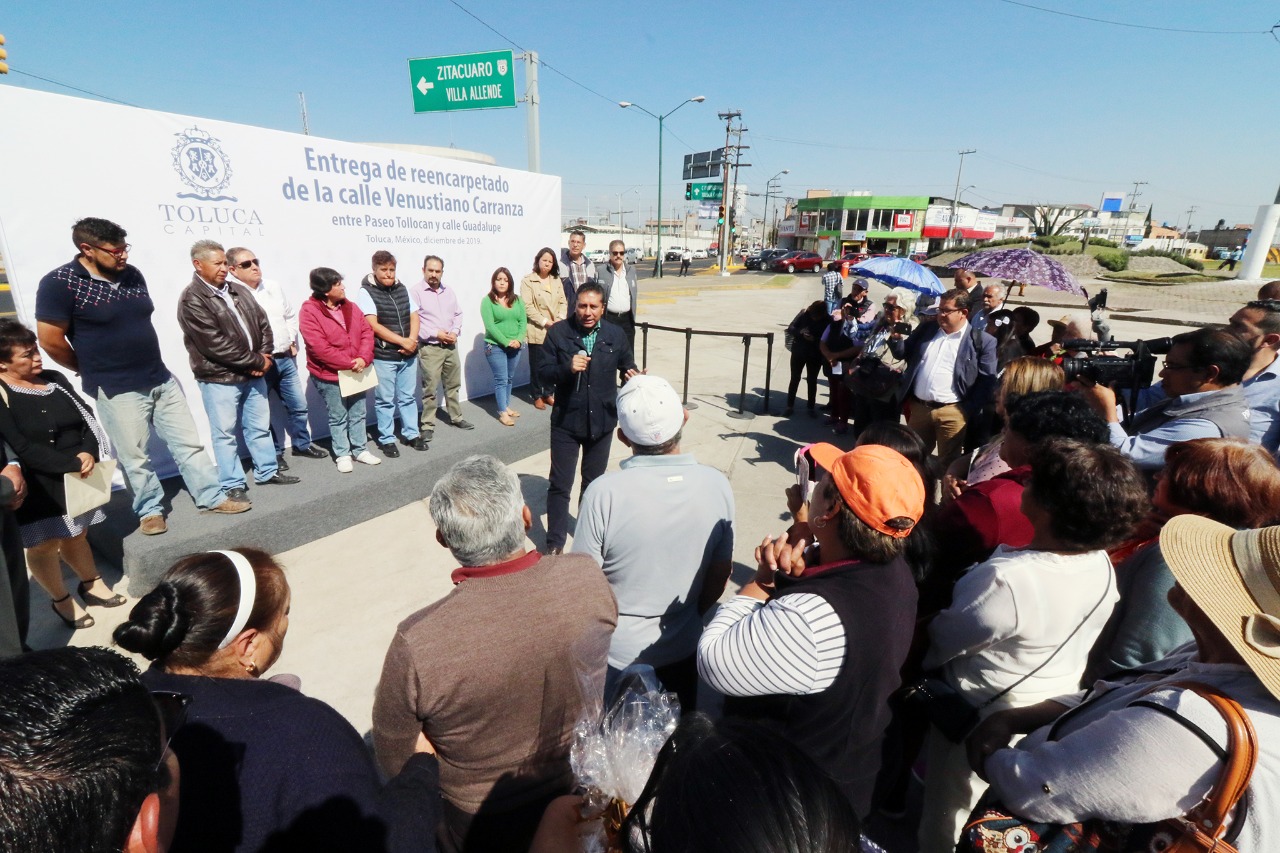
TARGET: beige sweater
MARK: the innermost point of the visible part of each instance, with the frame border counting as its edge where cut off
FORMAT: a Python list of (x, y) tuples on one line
[(543, 304), (490, 673)]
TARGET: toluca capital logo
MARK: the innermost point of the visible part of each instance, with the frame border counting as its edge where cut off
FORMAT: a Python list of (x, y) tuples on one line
[(199, 160)]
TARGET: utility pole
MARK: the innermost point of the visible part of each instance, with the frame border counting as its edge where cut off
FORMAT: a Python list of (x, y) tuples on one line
[(951, 226), (302, 101), (1133, 197), (728, 118), (1186, 234), (531, 101)]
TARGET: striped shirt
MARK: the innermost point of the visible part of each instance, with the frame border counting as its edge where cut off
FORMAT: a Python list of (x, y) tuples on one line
[(791, 645)]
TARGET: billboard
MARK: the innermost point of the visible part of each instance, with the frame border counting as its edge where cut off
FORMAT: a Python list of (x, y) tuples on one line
[(1112, 203), (297, 201)]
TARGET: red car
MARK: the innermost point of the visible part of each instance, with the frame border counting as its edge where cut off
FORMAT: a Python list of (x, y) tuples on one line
[(796, 260)]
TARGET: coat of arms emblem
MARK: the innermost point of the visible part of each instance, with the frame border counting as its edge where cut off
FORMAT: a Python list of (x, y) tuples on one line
[(202, 164)]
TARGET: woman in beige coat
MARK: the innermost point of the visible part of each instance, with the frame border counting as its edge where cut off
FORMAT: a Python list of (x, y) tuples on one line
[(544, 304)]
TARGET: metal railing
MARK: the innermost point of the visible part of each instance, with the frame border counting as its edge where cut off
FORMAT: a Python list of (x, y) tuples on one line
[(746, 357)]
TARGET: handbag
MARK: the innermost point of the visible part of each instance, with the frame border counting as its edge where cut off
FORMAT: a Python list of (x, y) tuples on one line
[(991, 828), (933, 697)]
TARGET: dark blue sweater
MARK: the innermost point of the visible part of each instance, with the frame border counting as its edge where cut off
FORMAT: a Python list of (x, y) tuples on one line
[(264, 767)]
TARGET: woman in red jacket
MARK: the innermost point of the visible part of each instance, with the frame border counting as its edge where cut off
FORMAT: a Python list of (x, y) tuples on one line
[(337, 338)]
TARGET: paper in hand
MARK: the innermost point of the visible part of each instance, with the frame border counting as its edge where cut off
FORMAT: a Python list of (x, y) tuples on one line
[(351, 382), (90, 492)]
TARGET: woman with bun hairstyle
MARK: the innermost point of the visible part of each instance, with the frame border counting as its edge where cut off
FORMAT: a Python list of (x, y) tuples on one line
[(263, 766)]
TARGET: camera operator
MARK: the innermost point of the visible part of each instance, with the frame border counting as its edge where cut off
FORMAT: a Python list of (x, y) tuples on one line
[(1202, 398), (1258, 325)]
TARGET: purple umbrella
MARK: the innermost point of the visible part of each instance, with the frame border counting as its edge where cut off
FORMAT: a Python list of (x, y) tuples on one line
[(1021, 265)]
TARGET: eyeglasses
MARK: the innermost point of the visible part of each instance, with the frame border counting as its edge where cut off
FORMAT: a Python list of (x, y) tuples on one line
[(618, 253), (252, 262), (115, 253), (173, 713), (1170, 366), (950, 310)]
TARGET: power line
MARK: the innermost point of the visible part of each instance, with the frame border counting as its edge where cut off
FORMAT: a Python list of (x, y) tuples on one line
[(72, 88), (813, 144), (1270, 31)]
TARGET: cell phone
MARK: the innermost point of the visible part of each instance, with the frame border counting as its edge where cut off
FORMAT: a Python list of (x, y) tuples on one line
[(807, 472)]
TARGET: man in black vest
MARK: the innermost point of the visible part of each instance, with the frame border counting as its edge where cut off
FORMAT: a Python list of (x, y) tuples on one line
[(1199, 396), (393, 316), (816, 642), (583, 359)]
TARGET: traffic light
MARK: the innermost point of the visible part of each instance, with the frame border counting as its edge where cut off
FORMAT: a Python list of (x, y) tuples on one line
[(4, 66), (688, 192), (720, 221), (733, 226)]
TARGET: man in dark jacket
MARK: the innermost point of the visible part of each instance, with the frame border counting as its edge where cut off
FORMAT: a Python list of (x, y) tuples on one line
[(582, 359), (950, 374), (228, 339)]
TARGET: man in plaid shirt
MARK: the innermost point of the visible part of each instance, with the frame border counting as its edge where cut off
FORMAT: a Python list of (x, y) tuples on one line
[(832, 285)]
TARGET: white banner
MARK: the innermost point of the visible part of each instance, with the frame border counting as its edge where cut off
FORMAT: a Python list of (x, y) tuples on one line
[(298, 202)]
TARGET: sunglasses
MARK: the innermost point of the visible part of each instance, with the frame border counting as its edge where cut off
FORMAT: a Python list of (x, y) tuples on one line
[(617, 253), (252, 262), (173, 713), (115, 253)]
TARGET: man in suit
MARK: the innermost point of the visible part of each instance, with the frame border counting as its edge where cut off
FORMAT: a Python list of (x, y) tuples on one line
[(619, 282), (15, 607), (950, 374)]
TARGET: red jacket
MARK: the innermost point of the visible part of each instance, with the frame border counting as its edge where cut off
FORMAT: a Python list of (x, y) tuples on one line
[(330, 347)]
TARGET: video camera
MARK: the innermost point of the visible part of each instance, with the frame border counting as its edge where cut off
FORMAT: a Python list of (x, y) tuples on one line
[(1135, 370)]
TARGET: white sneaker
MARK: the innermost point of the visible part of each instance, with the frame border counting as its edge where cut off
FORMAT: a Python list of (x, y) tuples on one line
[(344, 464), (367, 458)]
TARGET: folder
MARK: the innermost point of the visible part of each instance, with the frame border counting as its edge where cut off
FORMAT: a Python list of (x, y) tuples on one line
[(352, 382), (90, 492)]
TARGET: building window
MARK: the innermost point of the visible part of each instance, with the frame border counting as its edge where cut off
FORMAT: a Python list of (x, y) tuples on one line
[(857, 220), (831, 220)]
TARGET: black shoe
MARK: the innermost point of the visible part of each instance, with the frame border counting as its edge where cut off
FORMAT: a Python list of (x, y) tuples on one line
[(422, 442), (278, 480), (311, 452), (280, 463), (389, 450), (463, 423), (240, 494), (554, 552)]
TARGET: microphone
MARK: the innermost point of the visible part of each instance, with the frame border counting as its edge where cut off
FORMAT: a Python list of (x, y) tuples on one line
[(579, 386)]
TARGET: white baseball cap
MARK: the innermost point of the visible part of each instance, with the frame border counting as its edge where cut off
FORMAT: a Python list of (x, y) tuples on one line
[(649, 410)]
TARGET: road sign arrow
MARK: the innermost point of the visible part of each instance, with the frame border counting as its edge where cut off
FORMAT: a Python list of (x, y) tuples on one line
[(424, 86)]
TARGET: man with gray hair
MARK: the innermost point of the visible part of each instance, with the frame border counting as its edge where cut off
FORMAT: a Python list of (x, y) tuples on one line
[(662, 529), (228, 340), (490, 674)]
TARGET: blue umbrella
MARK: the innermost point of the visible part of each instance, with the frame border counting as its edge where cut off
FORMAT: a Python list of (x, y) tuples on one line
[(900, 272)]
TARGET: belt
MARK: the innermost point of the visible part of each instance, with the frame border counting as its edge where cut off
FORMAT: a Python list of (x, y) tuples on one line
[(440, 344), (932, 404), (279, 355), (617, 313)]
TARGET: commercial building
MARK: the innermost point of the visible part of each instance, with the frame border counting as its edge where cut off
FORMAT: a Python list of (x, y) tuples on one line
[(834, 224)]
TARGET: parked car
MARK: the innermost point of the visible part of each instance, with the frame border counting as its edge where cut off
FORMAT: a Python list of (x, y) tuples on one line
[(920, 257), (699, 254), (598, 256), (761, 260), (797, 260), (635, 256), (673, 253)]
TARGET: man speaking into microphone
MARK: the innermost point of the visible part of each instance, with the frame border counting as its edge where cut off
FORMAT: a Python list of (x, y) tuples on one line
[(581, 359)]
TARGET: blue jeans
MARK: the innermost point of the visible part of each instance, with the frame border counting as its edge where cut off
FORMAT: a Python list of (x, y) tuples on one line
[(502, 361), (346, 418), (283, 378), (129, 417), (241, 405), (397, 382)]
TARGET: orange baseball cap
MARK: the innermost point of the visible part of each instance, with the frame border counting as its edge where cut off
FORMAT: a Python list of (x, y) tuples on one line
[(876, 483)]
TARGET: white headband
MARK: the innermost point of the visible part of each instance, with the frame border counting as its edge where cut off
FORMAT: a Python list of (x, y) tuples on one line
[(248, 592)]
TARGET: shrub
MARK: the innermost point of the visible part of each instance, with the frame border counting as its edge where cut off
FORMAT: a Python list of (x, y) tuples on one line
[(1173, 256), (1103, 242), (1113, 259)]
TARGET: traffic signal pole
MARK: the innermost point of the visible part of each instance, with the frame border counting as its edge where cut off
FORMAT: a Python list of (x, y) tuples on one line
[(724, 177)]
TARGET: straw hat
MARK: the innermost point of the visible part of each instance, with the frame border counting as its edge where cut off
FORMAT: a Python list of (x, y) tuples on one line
[(1233, 576)]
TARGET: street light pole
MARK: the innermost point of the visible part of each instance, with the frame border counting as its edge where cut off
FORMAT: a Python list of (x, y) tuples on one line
[(768, 190), (697, 99), (951, 226)]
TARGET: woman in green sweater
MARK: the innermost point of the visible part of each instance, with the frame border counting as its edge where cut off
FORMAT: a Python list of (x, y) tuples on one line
[(504, 336)]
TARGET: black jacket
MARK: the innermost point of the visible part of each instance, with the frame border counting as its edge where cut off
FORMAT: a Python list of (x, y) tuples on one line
[(46, 433), (586, 407)]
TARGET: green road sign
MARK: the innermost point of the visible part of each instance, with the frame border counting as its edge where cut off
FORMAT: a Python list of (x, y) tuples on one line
[(469, 81), (708, 192)]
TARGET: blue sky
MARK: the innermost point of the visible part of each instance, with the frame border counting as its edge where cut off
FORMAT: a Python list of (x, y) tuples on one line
[(847, 95)]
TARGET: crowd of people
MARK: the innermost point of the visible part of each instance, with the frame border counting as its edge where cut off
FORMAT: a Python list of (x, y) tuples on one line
[(1000, 579)]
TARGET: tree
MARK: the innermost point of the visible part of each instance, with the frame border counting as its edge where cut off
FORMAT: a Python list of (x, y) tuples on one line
[(1050, 220)]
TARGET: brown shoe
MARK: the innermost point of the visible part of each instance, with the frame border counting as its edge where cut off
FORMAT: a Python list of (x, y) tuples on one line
[(231, 506), (153, 525), (551, 401), (539, 404)]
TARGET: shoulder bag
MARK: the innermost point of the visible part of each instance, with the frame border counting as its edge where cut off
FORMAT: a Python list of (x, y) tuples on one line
[(1204, 829)]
